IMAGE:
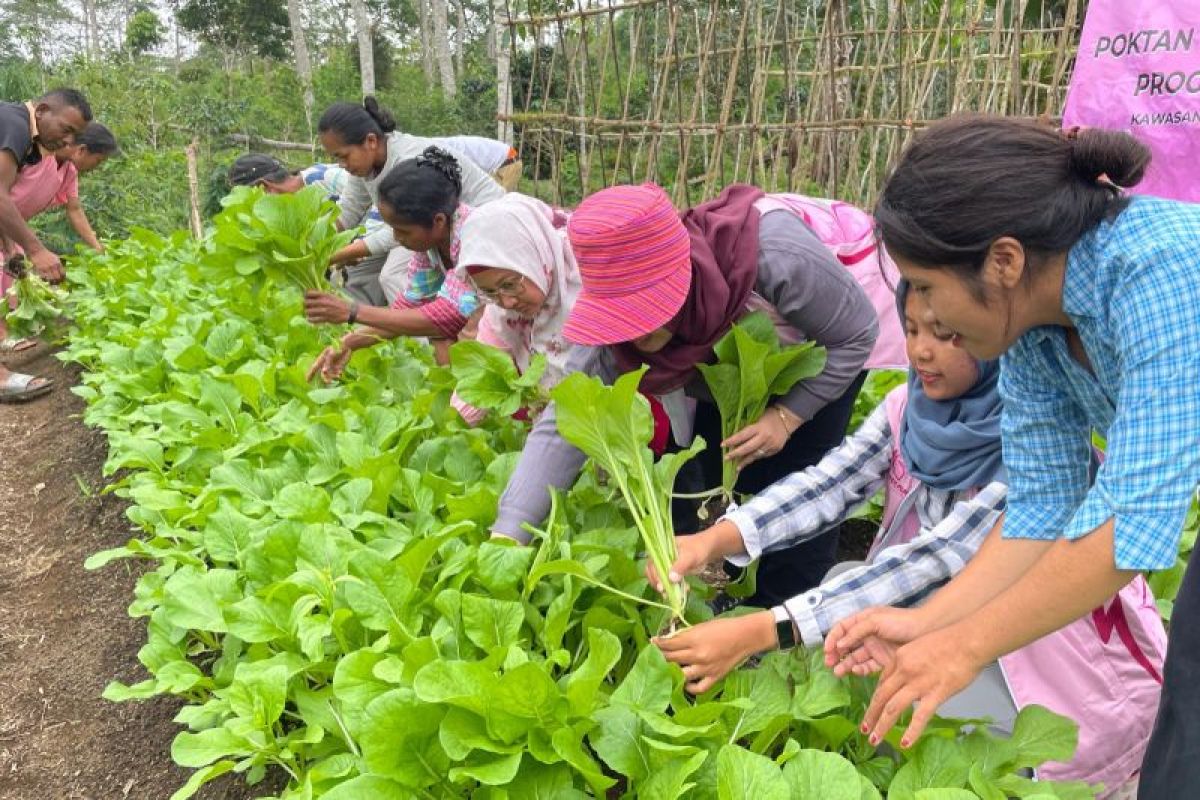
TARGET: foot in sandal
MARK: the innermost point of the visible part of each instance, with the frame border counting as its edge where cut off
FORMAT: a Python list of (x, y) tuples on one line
[(17, 387), (9, 345)]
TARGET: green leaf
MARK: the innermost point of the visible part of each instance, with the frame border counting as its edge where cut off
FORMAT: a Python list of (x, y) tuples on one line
[(583, 685), (742, 774), (489, 770), (205, 747), (673, 765), (302, 502), (620, 740), (815, 773), (221, 400), (648, 685), (1040, 735), (399, 740), (369, 787), (201, 777), (486, 377), (935, 763), (491, 623)]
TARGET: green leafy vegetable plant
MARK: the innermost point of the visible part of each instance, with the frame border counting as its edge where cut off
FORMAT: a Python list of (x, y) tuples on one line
[(486, 377), (613, 425), (752, 368), (322, 596), (39, 306), (289, 237)]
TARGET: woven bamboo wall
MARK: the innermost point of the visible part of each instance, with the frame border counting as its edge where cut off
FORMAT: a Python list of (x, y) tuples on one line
[(816, 96)]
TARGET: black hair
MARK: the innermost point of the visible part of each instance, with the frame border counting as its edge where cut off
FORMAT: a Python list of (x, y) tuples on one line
[(419, 188), (353, 123), (98, 140), (969, 180), (69, 97)]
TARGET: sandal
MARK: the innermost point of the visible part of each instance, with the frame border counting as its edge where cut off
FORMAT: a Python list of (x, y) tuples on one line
[(19, 387), (9, 345)]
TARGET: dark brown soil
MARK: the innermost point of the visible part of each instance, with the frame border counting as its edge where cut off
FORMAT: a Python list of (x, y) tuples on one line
[(64, 631)]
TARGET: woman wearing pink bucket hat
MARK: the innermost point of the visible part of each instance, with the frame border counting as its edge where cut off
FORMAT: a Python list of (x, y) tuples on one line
[(660, 288)]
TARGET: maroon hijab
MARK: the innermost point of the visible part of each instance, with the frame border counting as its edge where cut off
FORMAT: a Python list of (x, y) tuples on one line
[(724, 238)]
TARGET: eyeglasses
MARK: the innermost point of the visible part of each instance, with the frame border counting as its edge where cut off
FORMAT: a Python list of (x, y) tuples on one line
[(507, 288)]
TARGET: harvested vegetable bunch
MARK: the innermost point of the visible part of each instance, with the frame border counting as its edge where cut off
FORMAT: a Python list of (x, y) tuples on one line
[(752, 368), (613, 425), (39, 306), (289, 237)]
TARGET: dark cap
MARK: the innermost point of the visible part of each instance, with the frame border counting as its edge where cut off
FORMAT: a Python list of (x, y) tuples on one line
[(251, 168)]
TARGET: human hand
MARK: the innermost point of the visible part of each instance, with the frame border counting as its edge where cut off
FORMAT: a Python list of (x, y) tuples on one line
[(865, 643), (692, 553), (924, 673), (759, 440), (330, 364), (48, 265), (711, 650), (321, 307)]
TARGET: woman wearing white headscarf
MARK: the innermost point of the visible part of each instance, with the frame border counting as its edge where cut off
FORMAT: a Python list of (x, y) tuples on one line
[(516, 252)]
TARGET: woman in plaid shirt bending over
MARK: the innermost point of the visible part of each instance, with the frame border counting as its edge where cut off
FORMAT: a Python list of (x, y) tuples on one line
[(933, 447), (420, 200)]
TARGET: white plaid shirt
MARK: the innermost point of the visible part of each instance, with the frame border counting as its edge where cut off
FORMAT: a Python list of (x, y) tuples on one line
[(807, 503), (1132, 290)]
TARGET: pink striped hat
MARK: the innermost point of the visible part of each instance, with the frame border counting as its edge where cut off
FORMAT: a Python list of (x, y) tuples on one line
[(635, 261)]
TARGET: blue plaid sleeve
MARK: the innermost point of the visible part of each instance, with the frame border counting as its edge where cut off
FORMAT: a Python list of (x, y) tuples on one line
[(1046, 439), (1153, 444)]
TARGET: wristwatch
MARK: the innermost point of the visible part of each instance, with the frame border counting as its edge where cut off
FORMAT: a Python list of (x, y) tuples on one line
[(784, 630)]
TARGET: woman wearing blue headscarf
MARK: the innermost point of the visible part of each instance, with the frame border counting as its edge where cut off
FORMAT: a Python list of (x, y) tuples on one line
[(933, 448)]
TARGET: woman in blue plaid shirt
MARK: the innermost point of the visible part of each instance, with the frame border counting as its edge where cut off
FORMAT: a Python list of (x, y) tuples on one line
[(1023, 245)]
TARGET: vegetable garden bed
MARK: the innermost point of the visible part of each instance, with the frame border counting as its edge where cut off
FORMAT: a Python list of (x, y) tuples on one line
[(323, 596)]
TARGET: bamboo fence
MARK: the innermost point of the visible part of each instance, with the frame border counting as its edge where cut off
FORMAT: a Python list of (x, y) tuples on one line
[(815, 96)]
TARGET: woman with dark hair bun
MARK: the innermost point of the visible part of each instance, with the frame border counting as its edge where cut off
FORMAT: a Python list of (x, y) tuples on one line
[(364, 141), (1024, 245), (421, 202)]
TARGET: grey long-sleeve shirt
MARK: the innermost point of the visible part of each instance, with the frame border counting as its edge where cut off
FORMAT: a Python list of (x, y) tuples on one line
[(805, 285), (363, 193)]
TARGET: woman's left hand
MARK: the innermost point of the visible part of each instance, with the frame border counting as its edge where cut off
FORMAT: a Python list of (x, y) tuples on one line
[(758, 440), (926, 672), (320, 307)]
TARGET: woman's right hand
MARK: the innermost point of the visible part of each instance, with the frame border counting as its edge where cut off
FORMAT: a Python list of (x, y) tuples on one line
[(330, 364), (866, 642), (692, 553)]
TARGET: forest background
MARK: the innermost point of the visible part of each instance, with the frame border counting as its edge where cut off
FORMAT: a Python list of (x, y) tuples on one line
[(806, 95)]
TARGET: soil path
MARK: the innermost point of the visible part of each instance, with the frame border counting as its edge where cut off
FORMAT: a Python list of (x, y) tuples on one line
[(64, 631)]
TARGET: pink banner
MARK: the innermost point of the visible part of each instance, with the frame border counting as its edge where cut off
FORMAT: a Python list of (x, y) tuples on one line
[(1138, 70)]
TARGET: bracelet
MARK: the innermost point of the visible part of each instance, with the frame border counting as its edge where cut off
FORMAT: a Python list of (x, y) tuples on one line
[(783, 418), (353, 316)]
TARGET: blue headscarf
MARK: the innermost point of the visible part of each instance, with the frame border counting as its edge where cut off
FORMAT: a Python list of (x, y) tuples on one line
[(952, 444)]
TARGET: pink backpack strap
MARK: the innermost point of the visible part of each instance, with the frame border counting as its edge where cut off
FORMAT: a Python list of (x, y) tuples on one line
[(849, 234)]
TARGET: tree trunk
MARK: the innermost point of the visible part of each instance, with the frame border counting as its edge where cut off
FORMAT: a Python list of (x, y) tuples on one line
[(303, 65), (91, 29), (441, 47), (460, 35), (500, 44), (366, 53), (426, 38)]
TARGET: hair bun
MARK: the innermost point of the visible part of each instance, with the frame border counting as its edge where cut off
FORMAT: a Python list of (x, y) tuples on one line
[(1118, 156), (382, 116), (444, 163)]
